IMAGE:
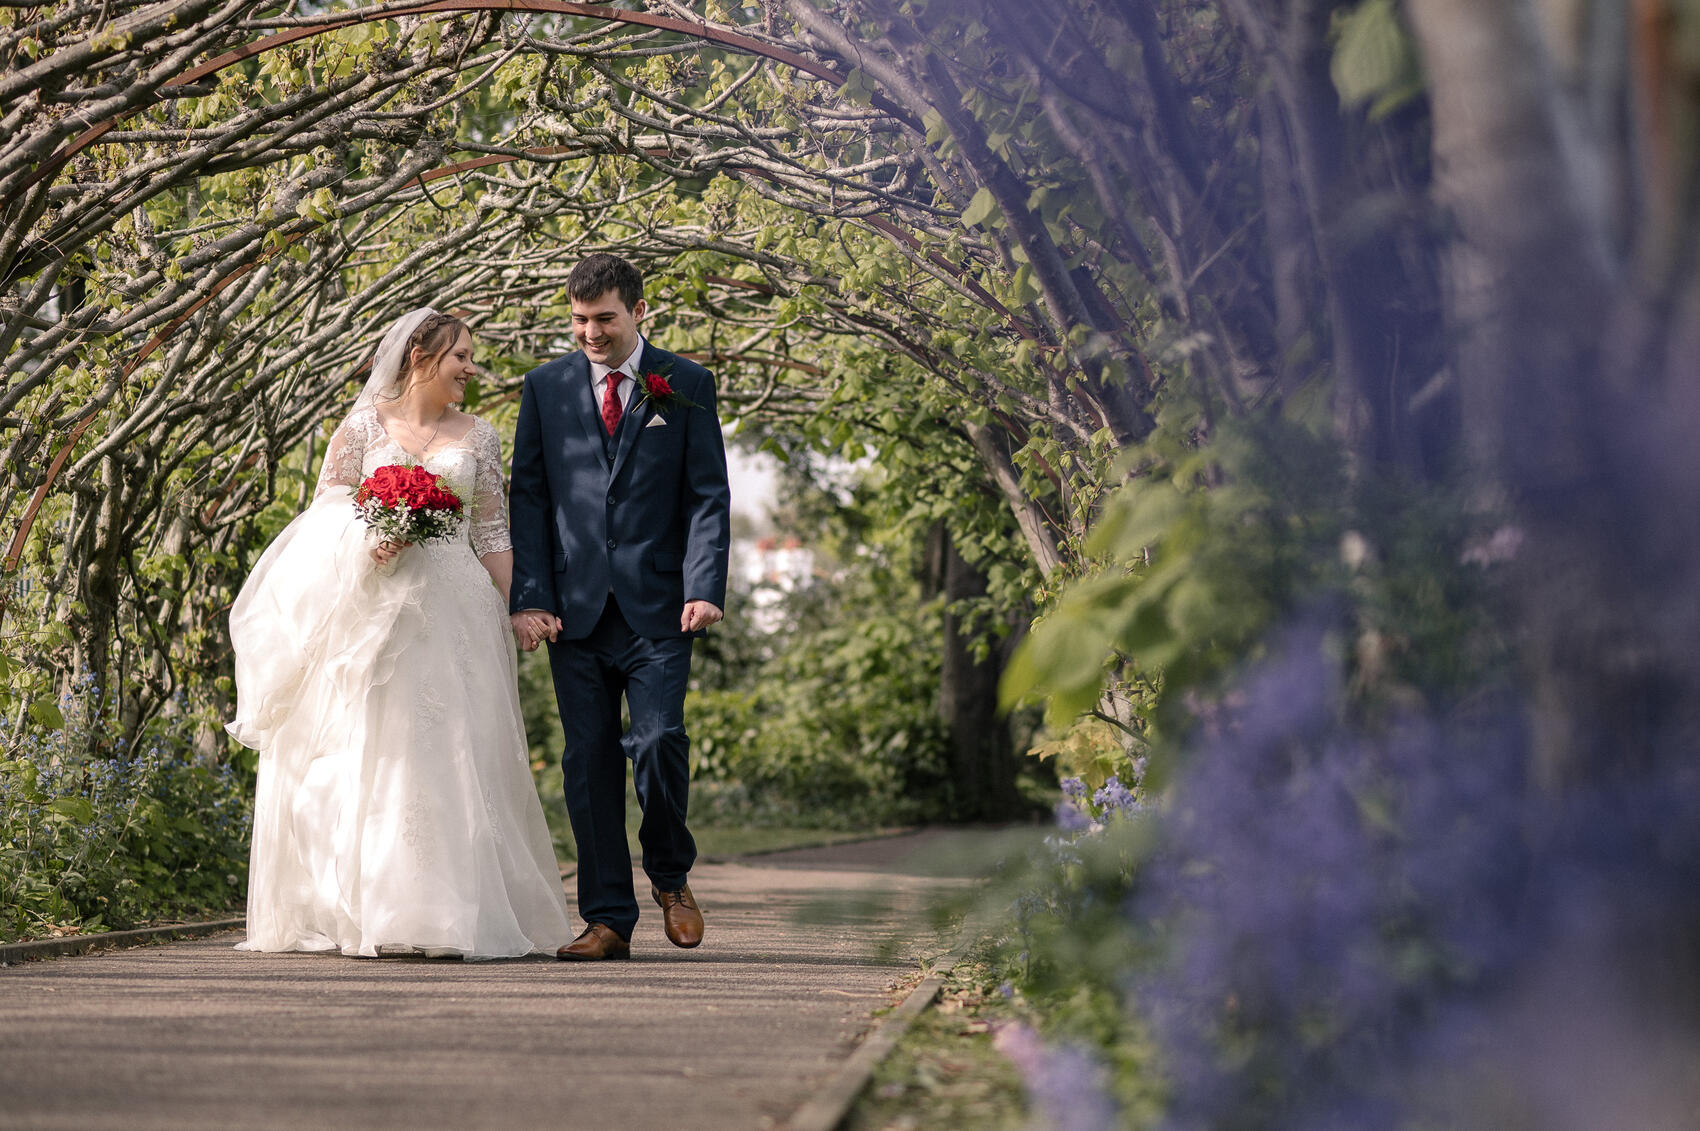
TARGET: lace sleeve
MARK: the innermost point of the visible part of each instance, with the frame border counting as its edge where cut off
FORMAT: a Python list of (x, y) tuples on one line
[(344, 456), (489, 510)]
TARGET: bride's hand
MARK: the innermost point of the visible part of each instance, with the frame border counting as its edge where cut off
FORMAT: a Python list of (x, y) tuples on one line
[(385, 552), (533, 626)]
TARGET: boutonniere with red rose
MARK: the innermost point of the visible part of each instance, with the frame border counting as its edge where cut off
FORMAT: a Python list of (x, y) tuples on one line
[(657, 390)]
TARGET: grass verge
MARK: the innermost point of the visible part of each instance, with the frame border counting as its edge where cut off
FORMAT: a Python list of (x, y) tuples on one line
[(713, 840), (945, 1071)]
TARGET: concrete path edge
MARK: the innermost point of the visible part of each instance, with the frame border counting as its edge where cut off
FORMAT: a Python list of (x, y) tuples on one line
[(81, 944), (77, 944), (827, 1109)]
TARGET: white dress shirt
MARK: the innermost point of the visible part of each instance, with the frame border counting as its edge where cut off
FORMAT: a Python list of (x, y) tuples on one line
[(599, 377)]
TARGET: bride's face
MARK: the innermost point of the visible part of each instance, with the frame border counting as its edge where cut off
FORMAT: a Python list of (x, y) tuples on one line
[(445, 381)]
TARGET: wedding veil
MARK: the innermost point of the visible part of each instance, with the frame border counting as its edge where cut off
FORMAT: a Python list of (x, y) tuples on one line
[(390, 361)]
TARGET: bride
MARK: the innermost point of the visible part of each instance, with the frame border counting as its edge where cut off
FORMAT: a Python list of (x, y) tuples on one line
[(395, 808)]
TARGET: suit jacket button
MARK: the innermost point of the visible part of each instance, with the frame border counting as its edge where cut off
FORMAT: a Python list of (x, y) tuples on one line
[(612, 544)]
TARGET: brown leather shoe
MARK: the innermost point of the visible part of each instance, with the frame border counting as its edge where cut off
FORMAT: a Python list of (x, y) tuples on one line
[(596, 944), (680, 915)]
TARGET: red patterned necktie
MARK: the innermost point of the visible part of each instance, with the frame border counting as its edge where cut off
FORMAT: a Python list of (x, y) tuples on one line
[(611, 407)]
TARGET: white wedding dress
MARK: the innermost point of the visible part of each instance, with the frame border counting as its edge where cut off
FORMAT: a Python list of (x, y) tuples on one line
[(395, 806)]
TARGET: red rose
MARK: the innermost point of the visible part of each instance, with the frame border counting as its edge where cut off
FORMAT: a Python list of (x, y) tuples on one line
[(383, 484), (657, 385), (407, 504), (410, 488), (437, 499)]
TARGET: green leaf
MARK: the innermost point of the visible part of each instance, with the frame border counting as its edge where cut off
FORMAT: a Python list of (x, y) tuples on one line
[(1021, 289), (77, 809), (1063, 657), (1373, 59), (46, 713), (857, 89), (937, 131), (981, 207), (1138, 518)]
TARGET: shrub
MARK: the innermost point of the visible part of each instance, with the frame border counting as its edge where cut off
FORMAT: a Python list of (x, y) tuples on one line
[(1328, 921), (842, 728), (97, 833)]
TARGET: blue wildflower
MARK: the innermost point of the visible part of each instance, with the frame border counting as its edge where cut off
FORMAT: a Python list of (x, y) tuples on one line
[(1070, 818), (1065, 1084), (1115, 797)]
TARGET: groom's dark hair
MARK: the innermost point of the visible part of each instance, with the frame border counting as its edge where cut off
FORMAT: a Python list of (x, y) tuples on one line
[(598, 274)]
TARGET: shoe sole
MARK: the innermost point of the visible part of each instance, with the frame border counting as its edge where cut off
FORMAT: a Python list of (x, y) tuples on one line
[(586, 958)]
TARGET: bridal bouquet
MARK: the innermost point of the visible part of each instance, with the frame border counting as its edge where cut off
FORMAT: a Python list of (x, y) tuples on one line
[(407, 504)]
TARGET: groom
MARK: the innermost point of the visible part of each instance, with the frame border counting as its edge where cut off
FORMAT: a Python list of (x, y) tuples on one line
[(619, 508)]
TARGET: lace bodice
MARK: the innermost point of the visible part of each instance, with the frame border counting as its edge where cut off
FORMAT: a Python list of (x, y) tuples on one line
[(471, 467)]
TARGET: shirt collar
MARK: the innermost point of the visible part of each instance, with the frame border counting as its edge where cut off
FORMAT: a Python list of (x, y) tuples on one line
[(599, 372)]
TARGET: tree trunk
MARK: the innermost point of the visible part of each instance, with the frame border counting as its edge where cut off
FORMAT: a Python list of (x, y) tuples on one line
[(1532, 292), (982, 759)]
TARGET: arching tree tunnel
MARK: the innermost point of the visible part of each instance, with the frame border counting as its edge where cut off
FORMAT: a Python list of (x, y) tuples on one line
[(201, 253), (1295, 397), (1018, 255)]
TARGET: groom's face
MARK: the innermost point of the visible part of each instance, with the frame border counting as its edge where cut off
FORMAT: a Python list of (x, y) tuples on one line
[(606, 330)]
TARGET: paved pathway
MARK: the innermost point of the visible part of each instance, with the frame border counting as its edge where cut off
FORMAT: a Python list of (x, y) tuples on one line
[(801, 948)]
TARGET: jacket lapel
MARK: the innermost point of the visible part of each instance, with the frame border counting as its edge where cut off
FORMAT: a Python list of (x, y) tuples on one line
[(637, 417), (581, 400)]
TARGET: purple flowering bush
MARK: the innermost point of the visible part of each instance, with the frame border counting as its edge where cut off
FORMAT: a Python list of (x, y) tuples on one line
[(1065, 1083), (1333, 820), (1088, 1069), (1314, 893), (1340, 920)]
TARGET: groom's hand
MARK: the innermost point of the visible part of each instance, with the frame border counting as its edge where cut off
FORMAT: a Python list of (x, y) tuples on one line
[(699, 614), (533, 626)]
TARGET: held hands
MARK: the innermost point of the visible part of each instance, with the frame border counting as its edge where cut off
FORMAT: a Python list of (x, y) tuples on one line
[(533, 626), (699, 614)]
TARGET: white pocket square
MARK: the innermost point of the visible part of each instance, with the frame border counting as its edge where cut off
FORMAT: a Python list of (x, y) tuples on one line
[(656, 422)]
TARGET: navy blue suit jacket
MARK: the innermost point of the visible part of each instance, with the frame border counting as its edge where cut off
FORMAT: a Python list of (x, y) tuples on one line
[(653, 526)]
